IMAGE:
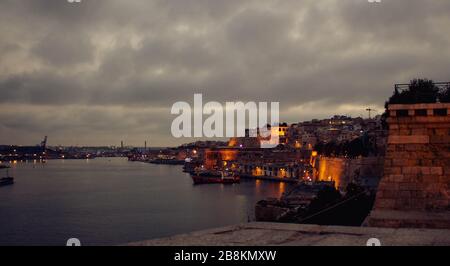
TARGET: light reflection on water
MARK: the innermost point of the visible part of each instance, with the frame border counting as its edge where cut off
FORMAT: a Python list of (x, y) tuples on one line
[(113, 201)]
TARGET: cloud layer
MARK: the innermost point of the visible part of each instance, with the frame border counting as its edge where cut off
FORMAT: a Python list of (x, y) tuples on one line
[(102, 71)]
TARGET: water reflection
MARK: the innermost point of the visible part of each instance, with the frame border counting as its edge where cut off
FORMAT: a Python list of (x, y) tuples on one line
[(281, 189), (113, 201), (275, 189)]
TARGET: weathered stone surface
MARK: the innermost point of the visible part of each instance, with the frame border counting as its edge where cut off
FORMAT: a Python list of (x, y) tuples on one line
[(418, 106), (419, 131), (415, 139), (393, 171), (272, 234), (416, 171), (343, 171), (447, 170), (400, 162), (404, 219), (442, 139)]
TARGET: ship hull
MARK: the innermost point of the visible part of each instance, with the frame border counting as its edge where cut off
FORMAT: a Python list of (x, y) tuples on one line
[(199, 180), (6, 182)]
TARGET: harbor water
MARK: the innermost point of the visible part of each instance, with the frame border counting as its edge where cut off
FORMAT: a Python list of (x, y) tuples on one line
[(110, 201)]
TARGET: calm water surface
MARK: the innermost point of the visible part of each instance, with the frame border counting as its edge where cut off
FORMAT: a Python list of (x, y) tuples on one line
[(113, 201)]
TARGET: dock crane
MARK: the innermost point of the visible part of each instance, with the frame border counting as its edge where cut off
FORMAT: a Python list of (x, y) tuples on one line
[(44, 145)]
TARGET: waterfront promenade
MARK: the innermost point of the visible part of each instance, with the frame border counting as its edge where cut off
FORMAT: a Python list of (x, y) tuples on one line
[(270, 178)]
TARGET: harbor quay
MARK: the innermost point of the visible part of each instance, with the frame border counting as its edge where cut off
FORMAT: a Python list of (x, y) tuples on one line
[(408, 205), (42, 152), (350, 179), (232, 124), (330, 161), (341, 141)]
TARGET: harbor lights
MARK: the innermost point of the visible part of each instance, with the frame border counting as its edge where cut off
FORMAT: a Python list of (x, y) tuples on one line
[(258, 171), (314, 155), (283, 173)]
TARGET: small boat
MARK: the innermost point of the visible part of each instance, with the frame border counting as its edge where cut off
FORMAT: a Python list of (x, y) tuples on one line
[(5, 181), (167, 161), (214, 177)]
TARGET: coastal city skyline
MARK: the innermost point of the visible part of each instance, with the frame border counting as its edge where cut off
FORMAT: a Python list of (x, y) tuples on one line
[(123, 144), (224, 130), (96, 73)]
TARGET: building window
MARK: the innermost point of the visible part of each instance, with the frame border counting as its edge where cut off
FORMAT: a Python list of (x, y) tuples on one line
[(402, 113), (421, 112), (440, 112)]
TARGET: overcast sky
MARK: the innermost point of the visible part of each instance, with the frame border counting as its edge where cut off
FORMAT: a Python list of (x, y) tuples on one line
[(103, 71)]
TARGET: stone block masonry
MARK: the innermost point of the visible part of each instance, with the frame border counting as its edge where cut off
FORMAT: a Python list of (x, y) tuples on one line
[(416, 181), (281, 234)]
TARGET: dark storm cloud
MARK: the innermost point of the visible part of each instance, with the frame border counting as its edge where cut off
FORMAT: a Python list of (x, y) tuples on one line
[(42, 88), (104, 70), (60, 49)]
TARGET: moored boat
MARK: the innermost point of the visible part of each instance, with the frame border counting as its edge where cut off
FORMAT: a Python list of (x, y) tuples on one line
[(8, 180), (214, 177), (5, 181)]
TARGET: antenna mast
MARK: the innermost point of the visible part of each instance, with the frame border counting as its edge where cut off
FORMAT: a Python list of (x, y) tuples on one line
[(370, 112)]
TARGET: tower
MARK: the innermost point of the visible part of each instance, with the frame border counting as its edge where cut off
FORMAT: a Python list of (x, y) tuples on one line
[(415, 188)]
